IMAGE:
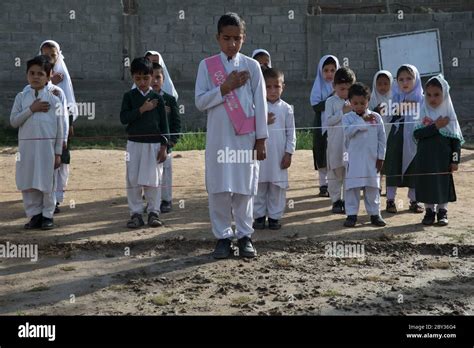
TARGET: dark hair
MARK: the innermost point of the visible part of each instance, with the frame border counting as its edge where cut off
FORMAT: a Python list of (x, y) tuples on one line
[(359, 89), (42, 61), (230, 18), (382, 75), (149, 54), (49, 45), (329, 61), (157, 66), (141, 65), (434, 83), (407, 69), (344, 75), (272, 73), (260, 54)]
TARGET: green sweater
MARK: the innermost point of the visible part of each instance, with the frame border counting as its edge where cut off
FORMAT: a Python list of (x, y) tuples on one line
[(174, 120), (149, 127)]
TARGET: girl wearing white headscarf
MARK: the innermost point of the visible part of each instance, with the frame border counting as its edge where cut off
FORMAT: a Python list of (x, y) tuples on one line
[(62, 80), (379, 101), (399, 165), (439, 139), (322, 89), (168, 85), (260, 55)]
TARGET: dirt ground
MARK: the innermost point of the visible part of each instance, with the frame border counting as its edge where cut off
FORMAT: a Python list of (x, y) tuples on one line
[(92, 264)]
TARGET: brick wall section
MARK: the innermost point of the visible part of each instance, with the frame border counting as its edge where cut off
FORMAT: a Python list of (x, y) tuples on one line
[(97, 40)]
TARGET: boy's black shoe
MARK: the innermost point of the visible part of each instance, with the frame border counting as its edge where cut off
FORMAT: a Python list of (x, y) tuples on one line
[(259, 223), (154, 221), (274, 224), (338, 207), (165, 207), (429, 218), (47, 223), (323, 191), (350, 221), (135, 221), (223, 249), (442, 217), (35, 222), (377, 220), (57, 210), (246, 248)]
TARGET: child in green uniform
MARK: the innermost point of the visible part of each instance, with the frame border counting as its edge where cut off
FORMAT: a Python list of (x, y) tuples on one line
[(439, 140)]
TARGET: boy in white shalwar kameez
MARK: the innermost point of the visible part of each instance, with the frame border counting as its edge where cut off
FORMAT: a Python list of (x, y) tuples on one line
[(336, 106), (281, 143), (365, 145), (38, 114), (234, 97)]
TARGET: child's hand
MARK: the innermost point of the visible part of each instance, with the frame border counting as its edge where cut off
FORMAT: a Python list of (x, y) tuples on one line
[(57, 78), (64, 145), (162, 154), (441, 122), (369, 117), (454, 167), (379, 165), (271, 118), (261, 150), (71, 131), (235, 80), (148, 105), (286, 161), (57, 161), (56, 92), (39, 106), (346, 108)]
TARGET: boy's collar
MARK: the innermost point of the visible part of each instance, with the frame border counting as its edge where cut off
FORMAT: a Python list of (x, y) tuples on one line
[(227, 58), (275, 102), (144, 93)]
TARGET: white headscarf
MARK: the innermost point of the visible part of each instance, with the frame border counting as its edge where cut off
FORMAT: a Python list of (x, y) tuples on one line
[(376, 98), (261, 50), (66, 83), (429, 115), (321, 88), (168, 85)]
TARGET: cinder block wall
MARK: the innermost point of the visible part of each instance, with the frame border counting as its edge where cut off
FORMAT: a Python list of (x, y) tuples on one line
[(296, 32)]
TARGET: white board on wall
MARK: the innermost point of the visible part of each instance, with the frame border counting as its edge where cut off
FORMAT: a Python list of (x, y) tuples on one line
[(420, 48)]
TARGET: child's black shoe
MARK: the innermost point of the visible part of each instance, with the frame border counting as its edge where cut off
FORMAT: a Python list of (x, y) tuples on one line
[(135, 221), (323, 191), (47, 223), (351, 221), (35, 222), (274, 224), (442, 216), (259, 223), (377, 220), (338, 207), (429, 218)]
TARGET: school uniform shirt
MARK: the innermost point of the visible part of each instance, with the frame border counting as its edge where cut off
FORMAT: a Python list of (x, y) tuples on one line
[(365, 144), (281, 139), (174, 120), (335, 150), (39, 139), (232, 177)]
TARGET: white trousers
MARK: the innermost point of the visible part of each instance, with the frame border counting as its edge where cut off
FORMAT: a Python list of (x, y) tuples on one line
[(371, 200), (37, 202), (336, 183), (270, 201), (135, 199), (323, 176), (167, 180), (224, 205), (61, 176), (438, 206), (392, 193)]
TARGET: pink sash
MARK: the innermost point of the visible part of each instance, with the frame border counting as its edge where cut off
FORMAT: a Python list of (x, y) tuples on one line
[(242, 124)]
